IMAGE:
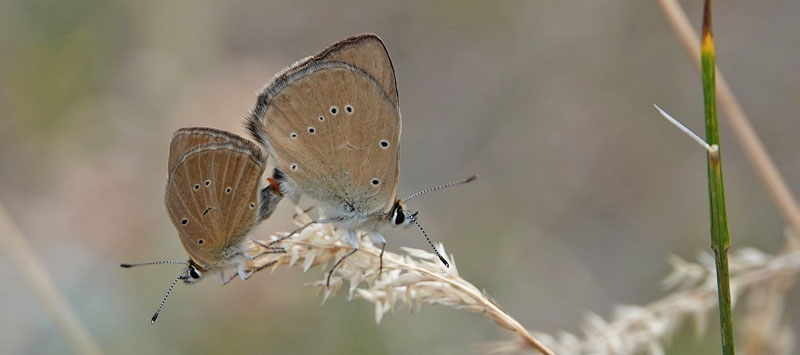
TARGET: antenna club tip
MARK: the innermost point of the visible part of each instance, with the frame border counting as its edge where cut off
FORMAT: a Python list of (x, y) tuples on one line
[(443, 261), (125, 265), (471, 178), (153, 320)]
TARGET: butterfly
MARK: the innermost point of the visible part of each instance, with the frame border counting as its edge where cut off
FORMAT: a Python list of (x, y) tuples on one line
[(214, 198), (331, 123)]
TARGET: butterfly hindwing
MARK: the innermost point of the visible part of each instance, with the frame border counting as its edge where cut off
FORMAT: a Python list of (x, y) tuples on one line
[(212, 196), (184, 139)]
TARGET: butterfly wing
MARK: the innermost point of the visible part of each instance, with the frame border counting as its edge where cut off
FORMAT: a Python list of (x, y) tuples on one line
[(332, 124), (212, 196), (184, 139), (365, 51)]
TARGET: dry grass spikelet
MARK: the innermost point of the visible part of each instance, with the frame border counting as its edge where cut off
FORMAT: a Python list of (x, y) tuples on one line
[(763, 279), (412, 279)]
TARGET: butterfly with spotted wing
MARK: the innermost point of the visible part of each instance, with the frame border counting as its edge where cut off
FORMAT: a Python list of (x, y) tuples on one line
[(331, 122), (214, 199)]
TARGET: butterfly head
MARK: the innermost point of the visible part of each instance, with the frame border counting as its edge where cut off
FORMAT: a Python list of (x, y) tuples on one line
[(192, 273), (399, 215)]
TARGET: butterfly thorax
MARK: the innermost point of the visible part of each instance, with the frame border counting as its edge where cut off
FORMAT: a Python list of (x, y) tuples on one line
[(346, 217), (366, 221)]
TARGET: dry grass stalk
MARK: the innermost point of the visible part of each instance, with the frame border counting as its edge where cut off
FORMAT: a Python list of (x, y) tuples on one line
[(31, 270), (636, 329), (413, 279)]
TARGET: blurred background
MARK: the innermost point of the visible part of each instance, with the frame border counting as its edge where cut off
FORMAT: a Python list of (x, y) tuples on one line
[(584, 189)]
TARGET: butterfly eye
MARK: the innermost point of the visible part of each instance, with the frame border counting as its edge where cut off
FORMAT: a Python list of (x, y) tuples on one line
[(193, 273), (399, 216)]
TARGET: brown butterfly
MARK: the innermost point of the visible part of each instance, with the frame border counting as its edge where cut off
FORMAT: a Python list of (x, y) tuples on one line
[(213, 199), (331, 122)]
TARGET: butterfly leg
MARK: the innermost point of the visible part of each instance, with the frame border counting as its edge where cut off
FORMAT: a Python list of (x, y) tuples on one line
[(252, 272), (298, 230), (269, 250), (378, 238), (226, 281), (305, 211), (352, 238)]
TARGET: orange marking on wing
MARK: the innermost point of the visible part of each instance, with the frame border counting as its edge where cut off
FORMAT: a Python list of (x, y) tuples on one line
[(275, 185)]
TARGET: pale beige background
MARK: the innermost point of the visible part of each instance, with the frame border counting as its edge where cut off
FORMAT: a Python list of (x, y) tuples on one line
[(584, 190)]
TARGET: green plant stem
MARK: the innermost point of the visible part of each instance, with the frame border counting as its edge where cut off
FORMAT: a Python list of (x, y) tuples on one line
[(720, 239)]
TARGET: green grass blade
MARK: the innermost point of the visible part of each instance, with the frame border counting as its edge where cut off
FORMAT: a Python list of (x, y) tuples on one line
[(720, 238)]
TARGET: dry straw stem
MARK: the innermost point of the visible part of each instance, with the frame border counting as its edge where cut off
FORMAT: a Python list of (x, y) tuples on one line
[(21, 255), (745, 134), (644, 329), (413, 279)]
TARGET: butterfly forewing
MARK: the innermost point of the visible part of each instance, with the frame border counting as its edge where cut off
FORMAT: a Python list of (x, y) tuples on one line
[(333, 127), (212, 197), (368, 53)]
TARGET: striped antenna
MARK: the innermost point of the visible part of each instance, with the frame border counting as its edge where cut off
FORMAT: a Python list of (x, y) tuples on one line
[(152, 263), (414, 219), (169, 290), (450, 184)]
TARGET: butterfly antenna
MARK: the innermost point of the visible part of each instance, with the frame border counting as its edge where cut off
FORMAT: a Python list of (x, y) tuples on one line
[(414, 219), (125, 265), (169, 290), (450, 184)]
